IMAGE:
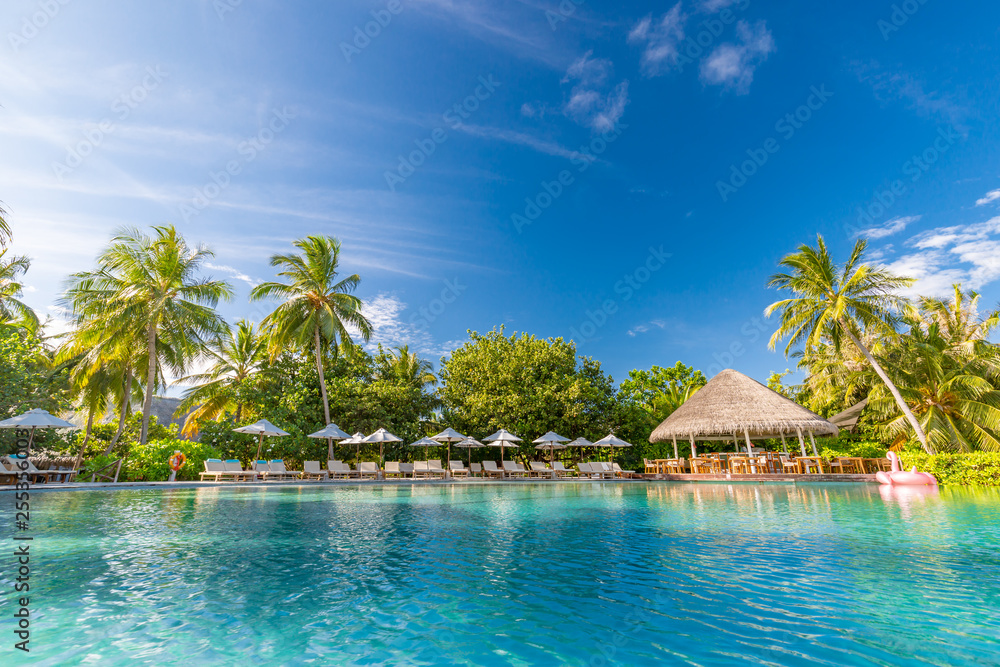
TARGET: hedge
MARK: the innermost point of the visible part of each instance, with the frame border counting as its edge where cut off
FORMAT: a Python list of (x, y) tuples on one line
[(975, 469)]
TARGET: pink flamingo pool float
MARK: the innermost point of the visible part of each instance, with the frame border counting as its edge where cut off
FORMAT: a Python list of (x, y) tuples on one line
[(899, 477)]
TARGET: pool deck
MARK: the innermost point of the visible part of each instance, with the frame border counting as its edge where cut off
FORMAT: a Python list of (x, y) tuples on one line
[(638, 479)]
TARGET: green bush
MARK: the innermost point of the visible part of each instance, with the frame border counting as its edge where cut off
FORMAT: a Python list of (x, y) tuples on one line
[(866, 449), (975, 469), (151, 463)]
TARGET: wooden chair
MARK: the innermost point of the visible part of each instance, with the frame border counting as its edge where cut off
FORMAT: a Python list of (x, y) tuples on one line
[(789, 465), (651, 467)]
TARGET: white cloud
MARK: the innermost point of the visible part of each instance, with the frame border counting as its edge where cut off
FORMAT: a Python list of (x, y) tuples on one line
[(391, 328), (646, 326), (716, 5), (733, 64), (967, 254), (660, 39), (990, 196), (589, 104), (235, 273), (889, 228)]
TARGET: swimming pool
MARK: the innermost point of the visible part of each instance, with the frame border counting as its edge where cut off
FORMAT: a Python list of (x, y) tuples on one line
[(584, 574)]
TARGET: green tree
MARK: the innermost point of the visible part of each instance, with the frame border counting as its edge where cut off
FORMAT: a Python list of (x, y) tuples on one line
[(237, 360), (526, 385), (28, 379), (150, 284), (5, 232), (404, 367), (13, 311), (318, 306), (659, 391), (832, 303), (951, 388)]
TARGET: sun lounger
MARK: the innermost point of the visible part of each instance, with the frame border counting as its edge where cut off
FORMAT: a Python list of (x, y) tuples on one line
[(512, 469), (338, 469), (277, 470), (13, 464), (427, 469), (620, 472), (435, 468), (539, 469), (368, 469), (476, 469), (406, 469), (392, 469), (214, 469), (491, 470), (233, 467), (457, 468), (561, 470), (311, 470)]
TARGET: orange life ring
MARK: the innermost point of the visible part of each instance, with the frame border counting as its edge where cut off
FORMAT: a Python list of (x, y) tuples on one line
[(177, 461)]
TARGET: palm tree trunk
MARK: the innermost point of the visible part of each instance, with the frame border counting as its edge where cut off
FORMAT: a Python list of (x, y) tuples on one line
[(123, 414), (147, 404), (921, 436), (239, 412), (322, 390), (86, 439)]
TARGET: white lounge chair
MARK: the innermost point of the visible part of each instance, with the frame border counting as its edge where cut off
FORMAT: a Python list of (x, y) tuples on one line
[(214, 468), (338, 469), (392, 469), (233, 467), (620, 472), (33, 473), (278, 470), (406, 469), (420, 469), (540, 469), (490, 469), (311, 470), (512, 469), (561, 470), (476, 469), (457, 468), (435, 468), (368, 469)]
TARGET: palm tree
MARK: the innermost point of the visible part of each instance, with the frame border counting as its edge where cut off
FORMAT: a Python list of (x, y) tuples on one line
[(236, 358), (12, 309), (832, 303), (149, 284), (958, 319), (5, 233), (318, 306), (953, 392), (406, 367)]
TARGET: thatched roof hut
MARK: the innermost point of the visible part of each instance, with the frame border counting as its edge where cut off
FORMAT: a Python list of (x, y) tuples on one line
[(733, 406)]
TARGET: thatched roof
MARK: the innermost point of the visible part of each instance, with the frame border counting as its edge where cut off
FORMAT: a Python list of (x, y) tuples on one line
[(731, 404)]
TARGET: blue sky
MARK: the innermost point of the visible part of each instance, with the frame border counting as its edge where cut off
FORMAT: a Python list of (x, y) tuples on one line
[(626, 174)]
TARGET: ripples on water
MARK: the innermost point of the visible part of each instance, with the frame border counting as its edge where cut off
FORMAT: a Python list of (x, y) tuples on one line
[(585, 574)]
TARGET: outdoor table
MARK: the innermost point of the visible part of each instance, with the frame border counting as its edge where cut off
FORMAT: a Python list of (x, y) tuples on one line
[(661, 465), (737, 461), (806, 462), (856, 461), (875, 465)]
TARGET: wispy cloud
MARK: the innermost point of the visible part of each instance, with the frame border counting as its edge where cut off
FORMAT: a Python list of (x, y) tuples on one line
[(989, 197), (967, 254), (590, 103), (646, 326), (386, 313), (234, 272), (733, 64), (521, 139), (890, 84), (888, 228), (660, 40)]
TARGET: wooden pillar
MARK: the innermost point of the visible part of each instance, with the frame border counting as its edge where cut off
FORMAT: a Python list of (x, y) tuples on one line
[(784, 445), (676, 456), (753, 467), (812, 440), (802, 443), (693, 454)]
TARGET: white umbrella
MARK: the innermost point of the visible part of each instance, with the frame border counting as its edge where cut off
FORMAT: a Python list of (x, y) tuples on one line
[(355, 439), (449, 435), (469, 443), (551, 439), (382, 436), (612, 441), (261, 428), (425, 443), (580, 442), (502, 438), (330, 432), (35, 418)]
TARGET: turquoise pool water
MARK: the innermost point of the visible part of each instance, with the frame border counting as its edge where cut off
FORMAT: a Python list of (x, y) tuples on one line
[(580, 574)]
